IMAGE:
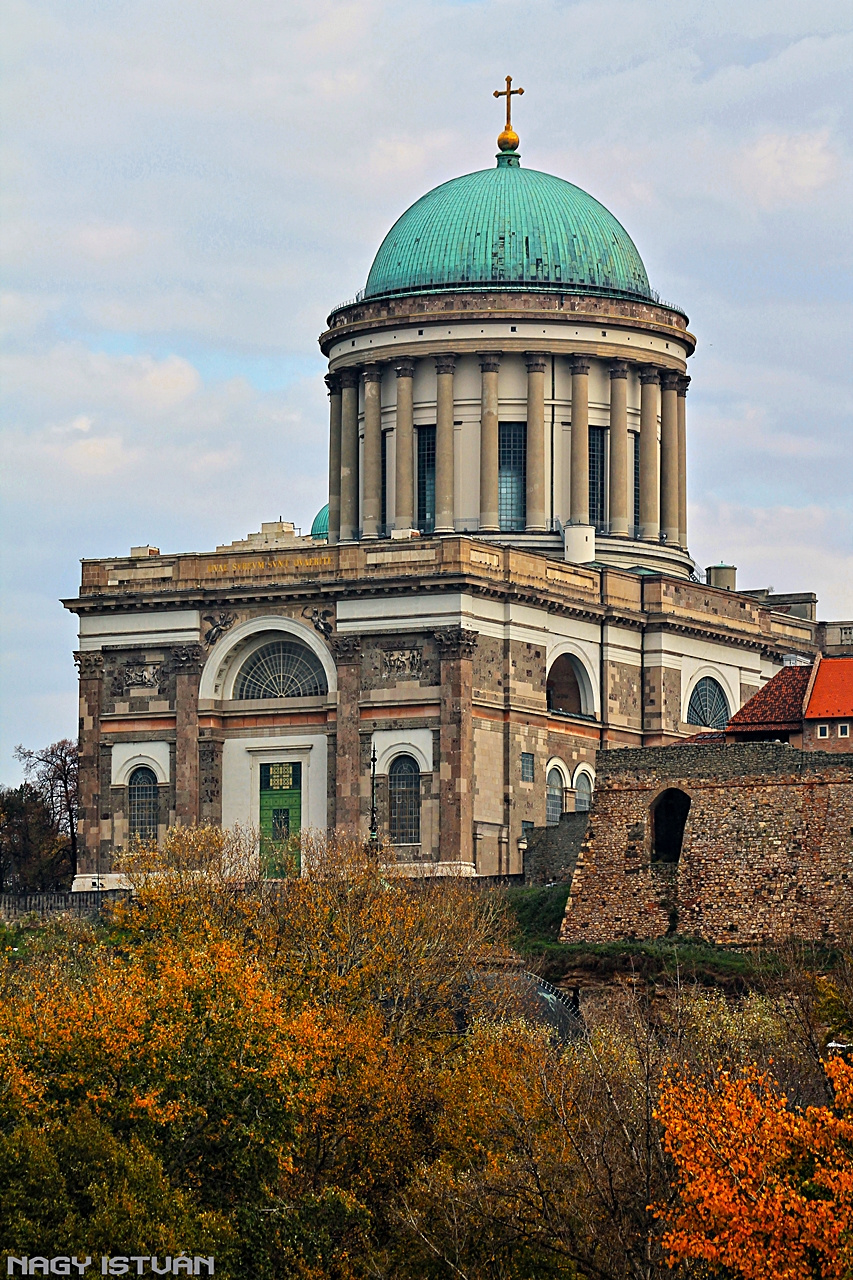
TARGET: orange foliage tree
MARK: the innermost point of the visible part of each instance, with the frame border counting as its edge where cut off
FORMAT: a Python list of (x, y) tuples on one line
[(763, 1189)]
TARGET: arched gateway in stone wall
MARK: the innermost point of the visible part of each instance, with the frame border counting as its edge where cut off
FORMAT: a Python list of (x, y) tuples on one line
[(500, 587)]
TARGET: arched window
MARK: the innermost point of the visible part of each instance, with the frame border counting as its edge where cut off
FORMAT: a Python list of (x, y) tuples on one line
[(562, 689), (553, 797), (583, 792), (281, 669), (142, 804), (708, 706), (669, 815), (404, 801)]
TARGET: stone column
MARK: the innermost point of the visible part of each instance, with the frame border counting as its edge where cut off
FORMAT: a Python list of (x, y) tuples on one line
[(349, 454), (404, 516), (187, 662), (372, 493), (456, 745), (619, 449), (91, 669), (536, 521), (347, 650), (444, 471), (649, 482), (333, 382), (579, 506), (489, 366), (669, 456), (683, 384)]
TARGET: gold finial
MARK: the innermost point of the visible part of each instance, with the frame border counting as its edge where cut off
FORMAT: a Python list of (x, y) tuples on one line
[(508, 140)]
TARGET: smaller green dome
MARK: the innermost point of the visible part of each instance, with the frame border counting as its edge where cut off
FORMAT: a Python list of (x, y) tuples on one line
[(320, 527)]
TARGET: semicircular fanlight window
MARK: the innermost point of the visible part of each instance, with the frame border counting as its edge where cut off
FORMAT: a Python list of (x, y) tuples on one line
[(708, 706), (281, 669)]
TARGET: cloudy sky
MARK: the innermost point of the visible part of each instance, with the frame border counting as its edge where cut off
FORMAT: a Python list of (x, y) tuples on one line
[(189, 188)]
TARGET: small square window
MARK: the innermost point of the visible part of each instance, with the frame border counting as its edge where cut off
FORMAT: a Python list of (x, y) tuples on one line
[(513, 328), (823, 731), (844, 731), (526, 766)]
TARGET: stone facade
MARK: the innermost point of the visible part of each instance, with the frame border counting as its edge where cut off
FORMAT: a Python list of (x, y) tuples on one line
[(439, 649), (766, 853)]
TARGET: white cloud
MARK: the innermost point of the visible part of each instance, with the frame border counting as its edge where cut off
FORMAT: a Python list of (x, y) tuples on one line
[(780, 168)]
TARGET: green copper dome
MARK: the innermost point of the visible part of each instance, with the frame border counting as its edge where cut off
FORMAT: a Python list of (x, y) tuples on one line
[(512, 227), (320, 527)]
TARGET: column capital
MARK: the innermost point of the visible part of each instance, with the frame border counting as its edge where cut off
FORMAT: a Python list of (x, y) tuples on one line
[(333, 382), (669, 379), (649, 373), (490, 361), (580, 364), (535, 361), (456, 642), (619, 369), (445, 363), (349, 378), (90, 664), (372, 372), (683, 384), (405, 367)]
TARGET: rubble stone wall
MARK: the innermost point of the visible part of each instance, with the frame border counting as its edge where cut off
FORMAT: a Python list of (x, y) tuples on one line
[(767, 851)]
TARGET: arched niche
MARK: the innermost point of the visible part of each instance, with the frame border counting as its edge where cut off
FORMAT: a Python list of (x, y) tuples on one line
[(568, 688), (669, 818)]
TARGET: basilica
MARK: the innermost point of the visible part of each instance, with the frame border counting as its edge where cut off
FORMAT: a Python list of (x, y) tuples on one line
[(499, 587)]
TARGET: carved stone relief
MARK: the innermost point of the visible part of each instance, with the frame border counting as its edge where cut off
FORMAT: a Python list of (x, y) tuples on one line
[(397, 664)]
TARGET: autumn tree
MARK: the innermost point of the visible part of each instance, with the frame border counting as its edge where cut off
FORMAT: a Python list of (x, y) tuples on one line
[(763, 1188), (54, 772)]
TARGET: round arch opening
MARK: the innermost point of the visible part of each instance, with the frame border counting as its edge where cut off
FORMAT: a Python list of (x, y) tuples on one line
[(566, 688)]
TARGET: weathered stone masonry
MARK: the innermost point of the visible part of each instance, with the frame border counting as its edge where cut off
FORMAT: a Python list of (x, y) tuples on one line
[(767, 850)]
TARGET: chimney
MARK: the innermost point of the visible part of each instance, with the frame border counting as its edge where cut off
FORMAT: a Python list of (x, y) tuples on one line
[(723, 576)]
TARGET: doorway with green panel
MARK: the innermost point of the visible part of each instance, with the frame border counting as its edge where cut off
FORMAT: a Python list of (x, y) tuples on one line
[(280, 818)]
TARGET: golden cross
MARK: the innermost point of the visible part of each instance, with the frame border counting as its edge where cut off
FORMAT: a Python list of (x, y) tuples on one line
[(508, 93)]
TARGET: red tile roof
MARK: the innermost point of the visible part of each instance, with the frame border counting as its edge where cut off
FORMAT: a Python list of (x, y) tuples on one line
[(832, 694), (779, 705)]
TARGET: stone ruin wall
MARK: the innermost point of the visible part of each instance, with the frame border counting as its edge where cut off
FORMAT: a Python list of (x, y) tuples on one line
[(767, 853)]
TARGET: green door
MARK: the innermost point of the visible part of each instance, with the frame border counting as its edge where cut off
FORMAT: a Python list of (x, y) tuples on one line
[(280, 818)]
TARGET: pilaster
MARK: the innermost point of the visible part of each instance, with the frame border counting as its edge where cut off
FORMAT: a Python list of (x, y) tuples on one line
[(347, 651), (187, 662), (91, 670), (536, 361), (456, 745), (619, 449), (349, 454)]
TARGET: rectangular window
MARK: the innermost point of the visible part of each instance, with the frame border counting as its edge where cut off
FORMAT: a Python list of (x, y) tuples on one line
[(384, 484), (636, 436), (844, 731), (426, 479), (526, 766), (526, 828), (512, 476), (823, 731), (596, 476)]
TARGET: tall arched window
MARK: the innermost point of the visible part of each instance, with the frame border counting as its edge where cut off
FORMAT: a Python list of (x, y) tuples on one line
[(708, 706), (562, 688), (281, 669), (142, 804), (404, 801), (583, 792), (553, 797)]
